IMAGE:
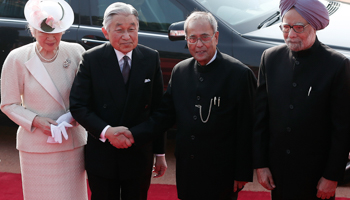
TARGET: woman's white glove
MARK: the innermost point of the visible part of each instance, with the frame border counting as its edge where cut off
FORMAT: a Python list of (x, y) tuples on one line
[(67, 117), (61, 129)]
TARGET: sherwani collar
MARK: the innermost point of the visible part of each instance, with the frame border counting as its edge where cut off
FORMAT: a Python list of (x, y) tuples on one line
[(308, 51), (39, 72), (213, 64)]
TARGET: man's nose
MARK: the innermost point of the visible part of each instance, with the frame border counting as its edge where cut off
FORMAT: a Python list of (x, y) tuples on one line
[(292, 33), (199, 43), (126, 35)]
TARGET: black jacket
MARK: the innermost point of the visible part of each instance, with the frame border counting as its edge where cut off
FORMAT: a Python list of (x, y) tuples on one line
[(302, 117), (209, 156), (99, 98)]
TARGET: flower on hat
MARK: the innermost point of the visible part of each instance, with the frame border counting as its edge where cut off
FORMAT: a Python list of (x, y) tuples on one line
[(50, 21), (37, 13), (49, 24)]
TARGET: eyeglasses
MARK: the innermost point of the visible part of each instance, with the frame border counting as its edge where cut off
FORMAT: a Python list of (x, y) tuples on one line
[(298, 28), (204, 38)]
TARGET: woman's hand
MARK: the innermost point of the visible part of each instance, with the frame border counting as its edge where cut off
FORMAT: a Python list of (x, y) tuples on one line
[(44, 124)]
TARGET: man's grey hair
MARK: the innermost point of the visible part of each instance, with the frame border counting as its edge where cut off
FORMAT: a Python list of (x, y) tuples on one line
[(202, 15), (118, 8)]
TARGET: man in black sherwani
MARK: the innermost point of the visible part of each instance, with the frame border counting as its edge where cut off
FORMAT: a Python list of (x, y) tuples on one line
[(210, 98), (301, 134)]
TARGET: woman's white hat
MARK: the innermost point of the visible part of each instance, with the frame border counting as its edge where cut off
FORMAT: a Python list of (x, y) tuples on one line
[(50, 16)]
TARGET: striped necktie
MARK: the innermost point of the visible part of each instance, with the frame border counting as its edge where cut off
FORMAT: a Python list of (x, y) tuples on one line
[(126, 69)]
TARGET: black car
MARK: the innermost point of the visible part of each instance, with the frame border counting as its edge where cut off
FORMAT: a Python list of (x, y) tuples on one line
[(155, 18), (246, 28)]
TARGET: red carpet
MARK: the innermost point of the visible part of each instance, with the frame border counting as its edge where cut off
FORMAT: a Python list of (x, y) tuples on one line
[(11, 189)]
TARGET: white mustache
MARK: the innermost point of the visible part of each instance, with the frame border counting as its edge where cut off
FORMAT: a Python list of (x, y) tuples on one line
[(293, 40)]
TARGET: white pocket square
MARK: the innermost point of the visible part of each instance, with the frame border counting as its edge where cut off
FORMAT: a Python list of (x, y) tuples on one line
[(147, 80)]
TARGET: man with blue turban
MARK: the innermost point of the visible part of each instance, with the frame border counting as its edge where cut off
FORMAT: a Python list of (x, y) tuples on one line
[(302, 130)]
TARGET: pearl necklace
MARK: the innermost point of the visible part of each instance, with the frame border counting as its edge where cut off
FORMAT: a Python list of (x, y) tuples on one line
[(42, 57)]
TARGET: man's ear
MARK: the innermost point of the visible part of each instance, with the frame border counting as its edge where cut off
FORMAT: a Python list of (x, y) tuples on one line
[(217, 37), (105, 33)]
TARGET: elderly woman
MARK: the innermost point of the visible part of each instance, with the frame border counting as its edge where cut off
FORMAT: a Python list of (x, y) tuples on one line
[(35, 85)]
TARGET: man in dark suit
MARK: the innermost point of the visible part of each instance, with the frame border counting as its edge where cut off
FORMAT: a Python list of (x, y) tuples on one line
[(210, 98), (106, 93), (301, 136)]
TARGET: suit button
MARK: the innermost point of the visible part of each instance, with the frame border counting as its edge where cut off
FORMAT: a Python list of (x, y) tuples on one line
[(198, 98), (294, 84), (193, 137), (291, 107), (201, 79), (289, 129), (192, 156), (288, 151), (104, 105)]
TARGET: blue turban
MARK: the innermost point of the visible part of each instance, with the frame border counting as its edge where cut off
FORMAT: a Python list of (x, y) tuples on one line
[(312, 11)]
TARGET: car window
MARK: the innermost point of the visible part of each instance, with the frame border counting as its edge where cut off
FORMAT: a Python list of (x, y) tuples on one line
[(235, 12), (154, 15), (12, 8), (244, 16)]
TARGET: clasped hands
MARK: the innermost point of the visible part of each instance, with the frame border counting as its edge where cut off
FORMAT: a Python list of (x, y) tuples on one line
[(59, 130), (120, 137), (54, 129)]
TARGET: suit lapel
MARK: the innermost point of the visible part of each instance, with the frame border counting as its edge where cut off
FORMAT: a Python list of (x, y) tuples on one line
[(112, 74), (136, 83), (37, 69)]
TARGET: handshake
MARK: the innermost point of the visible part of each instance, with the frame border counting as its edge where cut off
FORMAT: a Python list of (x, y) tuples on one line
[(120, 137)]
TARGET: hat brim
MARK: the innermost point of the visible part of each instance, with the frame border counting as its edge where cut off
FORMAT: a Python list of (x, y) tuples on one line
[(66, 21)]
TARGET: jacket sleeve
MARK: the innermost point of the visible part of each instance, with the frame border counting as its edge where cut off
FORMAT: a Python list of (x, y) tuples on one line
[(340, 118), (245, 117), (81, 100), (12, 86), (163, 118), (261, 130), (158, 87)]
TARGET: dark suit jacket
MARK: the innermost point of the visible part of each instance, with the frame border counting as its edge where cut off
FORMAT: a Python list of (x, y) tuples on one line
[(209, 156), (302, 117), (99, 98)]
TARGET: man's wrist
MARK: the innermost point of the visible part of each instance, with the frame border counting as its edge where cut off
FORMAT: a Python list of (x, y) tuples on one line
[(103, 134)]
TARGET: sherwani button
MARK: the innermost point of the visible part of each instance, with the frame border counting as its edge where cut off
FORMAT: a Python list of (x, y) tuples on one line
[(288, 151), (291, 107), (194, 117), (104, 105), (297, 62), (193, 137), (198, 98), (289, 129), (201, 79), (294, 84), (192, 156)]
